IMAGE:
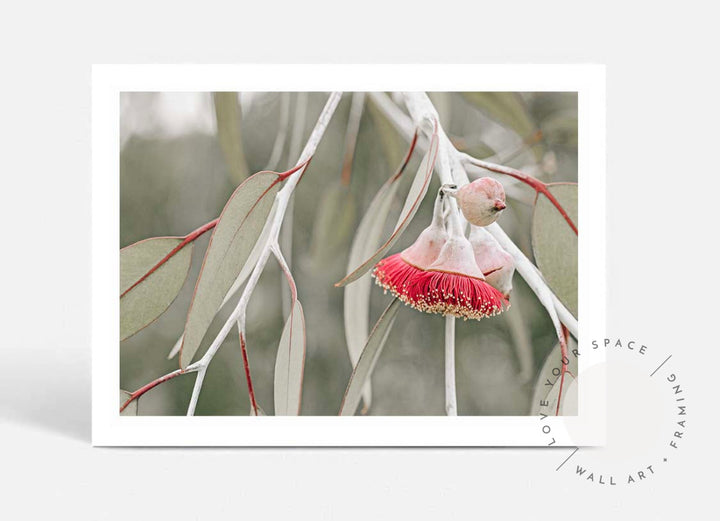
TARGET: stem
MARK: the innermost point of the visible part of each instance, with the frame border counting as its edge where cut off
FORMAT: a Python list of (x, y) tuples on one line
[(281, 199), (196, 390), (450, 394), (286, 233), (246, 365), (145, 388), (451, 170), (565, 361), (186, 240), (538, 185), (405, 126)]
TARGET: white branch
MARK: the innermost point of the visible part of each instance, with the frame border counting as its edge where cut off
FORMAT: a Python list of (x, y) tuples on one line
[(418, 102), (450, 394), (281, 200)]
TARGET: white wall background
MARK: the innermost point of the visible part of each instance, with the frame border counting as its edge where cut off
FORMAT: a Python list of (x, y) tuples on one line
[(663, 123)]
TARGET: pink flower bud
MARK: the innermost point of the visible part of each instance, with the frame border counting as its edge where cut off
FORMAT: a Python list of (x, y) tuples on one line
[(496, 264), (481, 201)]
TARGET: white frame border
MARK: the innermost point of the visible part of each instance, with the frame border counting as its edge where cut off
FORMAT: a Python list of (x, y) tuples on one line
[(111, 429)]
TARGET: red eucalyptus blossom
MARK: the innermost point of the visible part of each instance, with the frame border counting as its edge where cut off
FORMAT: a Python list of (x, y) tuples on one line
[(438, 274)]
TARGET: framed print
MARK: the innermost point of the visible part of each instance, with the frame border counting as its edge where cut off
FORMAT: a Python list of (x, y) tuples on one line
[(348, 255)]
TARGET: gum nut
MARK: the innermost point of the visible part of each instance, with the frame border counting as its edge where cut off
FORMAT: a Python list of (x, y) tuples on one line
[(482, 201)]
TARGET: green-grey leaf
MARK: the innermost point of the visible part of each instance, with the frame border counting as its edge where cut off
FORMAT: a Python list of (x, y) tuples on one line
[(132, 408), (369, 357), (356, 300), (547, 386), (239, 281), (151, 297), (334, 223), (412, 203), (227, 116), (507, 108), (510, 110), (442, 101), (555, 244), (392, 143), (290, 363), (234, 237)]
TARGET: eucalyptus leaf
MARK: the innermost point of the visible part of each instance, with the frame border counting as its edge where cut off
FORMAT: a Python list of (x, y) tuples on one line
[(239, 281), (132, 408), (227, 116), (507, 108), (547, 386), (334, 223), (510, 110), (233, 239), (416, 194), (149, 298), (356, 298), (392, 143), (555, 244), (369, 357), (290, 364)]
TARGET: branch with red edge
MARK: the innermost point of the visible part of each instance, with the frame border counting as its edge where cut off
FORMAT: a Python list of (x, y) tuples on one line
[(533, 182), (238, 314), (565, 361), (195, 234), (145, 388)]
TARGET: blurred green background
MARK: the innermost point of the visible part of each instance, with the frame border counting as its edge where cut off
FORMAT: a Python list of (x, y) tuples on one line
[(174, 176)]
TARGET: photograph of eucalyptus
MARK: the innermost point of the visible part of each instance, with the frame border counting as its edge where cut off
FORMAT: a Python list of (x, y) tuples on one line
[(357, 253)]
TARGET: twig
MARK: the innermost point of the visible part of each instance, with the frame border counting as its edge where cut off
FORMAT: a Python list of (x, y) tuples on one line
[(286, 232), (405, 127), (190, 237), (450, 393), (539, 186), (246, 365), (281, 200), (451, 170), (269, 239), (145, 388), (565, 361)]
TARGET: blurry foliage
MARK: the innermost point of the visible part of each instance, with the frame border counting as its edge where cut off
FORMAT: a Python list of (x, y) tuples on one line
[(171, 183)]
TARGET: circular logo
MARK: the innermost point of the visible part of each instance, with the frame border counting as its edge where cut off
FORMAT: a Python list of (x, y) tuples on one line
[(646, 415)]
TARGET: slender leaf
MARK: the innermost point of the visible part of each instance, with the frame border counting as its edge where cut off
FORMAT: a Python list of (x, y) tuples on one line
[(233, 239), (392, 143), (239, 281), (507, 108), (149, 299), (356, 298), (412, 202), (290, 364), (334, 223), (443, 102), (510, 110), (555, 245), (227, 116), (369, 357), (132, 408), (547, 386)]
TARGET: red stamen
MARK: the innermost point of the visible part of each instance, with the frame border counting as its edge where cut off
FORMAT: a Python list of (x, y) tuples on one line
[(438, 291)]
